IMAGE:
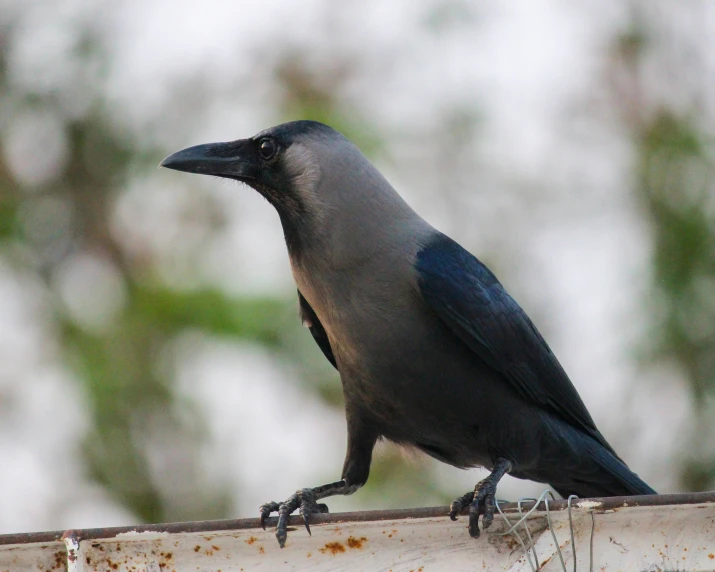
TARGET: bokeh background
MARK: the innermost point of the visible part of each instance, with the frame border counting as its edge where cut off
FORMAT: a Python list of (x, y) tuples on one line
[(152, 365)]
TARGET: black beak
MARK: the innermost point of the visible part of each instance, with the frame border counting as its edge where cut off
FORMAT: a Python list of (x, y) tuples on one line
[(233, 160)]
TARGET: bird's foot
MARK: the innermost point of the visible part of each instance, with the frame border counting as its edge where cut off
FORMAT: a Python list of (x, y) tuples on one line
[(482, 500), (307, 501)]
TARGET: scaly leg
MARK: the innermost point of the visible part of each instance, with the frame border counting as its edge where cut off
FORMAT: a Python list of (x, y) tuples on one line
[(361, 441), (482, 500), (307, 501)]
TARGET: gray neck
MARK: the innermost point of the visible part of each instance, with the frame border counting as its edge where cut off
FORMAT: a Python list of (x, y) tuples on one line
[(352, 215)]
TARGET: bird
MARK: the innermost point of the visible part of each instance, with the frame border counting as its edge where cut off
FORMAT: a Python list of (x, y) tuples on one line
[(431, 350)]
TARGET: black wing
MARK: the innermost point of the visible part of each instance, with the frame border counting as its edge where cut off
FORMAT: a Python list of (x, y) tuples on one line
[(309, 318), (472, 302)]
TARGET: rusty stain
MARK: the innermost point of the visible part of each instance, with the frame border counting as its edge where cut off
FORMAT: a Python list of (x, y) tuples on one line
[(711, 556), (353, 542), (197, 548), (215, 547), (261, 550), (333, 547), (309, 555), (250, 540)]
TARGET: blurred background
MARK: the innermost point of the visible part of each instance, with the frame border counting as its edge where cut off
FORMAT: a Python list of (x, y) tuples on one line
[(152, 364)]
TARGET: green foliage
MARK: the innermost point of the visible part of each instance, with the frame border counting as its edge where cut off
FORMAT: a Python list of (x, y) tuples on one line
[(676, 182)]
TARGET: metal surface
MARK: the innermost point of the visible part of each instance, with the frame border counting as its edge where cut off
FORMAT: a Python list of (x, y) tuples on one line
[(648, 533)]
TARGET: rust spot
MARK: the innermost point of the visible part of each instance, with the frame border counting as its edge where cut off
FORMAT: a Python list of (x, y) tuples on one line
[(197, 548), (309, 554), (333, 547), (261, 550), (251, 540), (711, 556), (215, 547), (353, 542)]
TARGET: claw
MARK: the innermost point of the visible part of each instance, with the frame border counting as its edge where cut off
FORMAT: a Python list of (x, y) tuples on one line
[(474, 512), (458, 504), (305, 499), (481, 501), (307, 502), (266, 510)]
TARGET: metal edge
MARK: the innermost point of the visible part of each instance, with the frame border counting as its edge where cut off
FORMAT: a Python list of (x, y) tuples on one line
[(208, 526)]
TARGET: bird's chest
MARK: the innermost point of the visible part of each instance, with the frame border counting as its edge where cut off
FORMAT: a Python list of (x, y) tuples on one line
[(365, 314)]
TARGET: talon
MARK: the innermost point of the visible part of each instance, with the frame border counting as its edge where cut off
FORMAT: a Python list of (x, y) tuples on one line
[(282, 536), (266, 510), (481, 501), (454, 509), (459, 503), (306, 507), (305, 500), (474, 512)]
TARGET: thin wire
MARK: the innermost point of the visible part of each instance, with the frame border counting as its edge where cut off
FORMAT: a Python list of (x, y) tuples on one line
[(522, 520), (573, 540), (553, 534), (512, 531), (593, 529), (531, 549)]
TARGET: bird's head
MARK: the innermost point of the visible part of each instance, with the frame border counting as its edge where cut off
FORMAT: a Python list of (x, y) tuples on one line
[(318, 181), (284, 163)]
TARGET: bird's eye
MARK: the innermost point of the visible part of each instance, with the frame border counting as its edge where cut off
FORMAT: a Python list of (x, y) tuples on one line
[(267, 149)]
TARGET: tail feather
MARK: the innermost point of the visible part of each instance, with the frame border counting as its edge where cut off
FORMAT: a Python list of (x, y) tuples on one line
[(613, 477)]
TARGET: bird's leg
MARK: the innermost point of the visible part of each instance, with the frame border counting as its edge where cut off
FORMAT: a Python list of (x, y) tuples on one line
[(482, 500), (361, 441), (307, 501)]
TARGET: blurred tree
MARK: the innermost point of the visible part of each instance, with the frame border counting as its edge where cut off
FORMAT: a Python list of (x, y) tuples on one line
[(143, 444), (675, 184)]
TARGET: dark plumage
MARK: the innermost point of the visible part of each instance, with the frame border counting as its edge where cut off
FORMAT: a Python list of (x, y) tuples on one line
[(432, 351)]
